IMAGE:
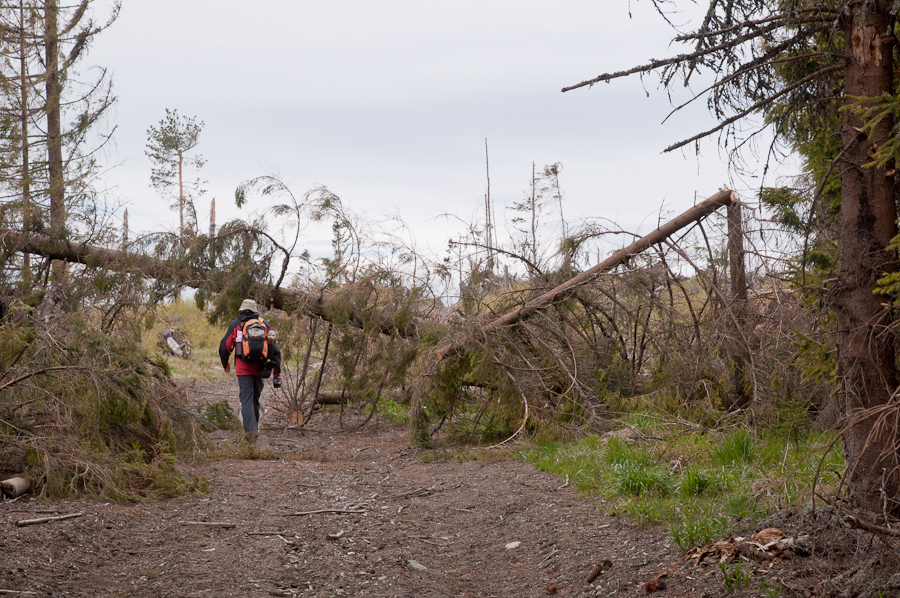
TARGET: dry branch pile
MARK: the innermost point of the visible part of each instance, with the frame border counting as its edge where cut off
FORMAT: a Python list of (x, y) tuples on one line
[(765, 545)]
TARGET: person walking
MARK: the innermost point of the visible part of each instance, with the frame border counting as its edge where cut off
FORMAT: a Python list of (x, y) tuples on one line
[(256, 357)]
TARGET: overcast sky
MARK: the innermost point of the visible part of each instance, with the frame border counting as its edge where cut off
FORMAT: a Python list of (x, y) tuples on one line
[(389, 104)]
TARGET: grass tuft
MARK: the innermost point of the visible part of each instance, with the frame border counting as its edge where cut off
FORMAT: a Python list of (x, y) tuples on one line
[(736, 448), (695, 483)]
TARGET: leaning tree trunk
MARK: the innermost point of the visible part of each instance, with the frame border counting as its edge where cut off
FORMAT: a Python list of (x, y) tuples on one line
[(866, 357)]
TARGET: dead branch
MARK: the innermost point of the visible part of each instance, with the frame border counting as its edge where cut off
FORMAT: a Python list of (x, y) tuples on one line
[(765, 101), (658, 64), (515, 385), (320, 374), (423, 491), (224, 524), (303, 513), (43, 371), (859, 523), (25, 522)]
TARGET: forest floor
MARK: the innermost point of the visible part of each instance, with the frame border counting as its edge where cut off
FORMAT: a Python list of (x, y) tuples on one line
[(339, 512)]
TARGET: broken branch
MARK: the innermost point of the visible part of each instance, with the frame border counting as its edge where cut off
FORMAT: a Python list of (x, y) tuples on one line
[(302, 513), (209, 523), (25, 522), (856, 522)]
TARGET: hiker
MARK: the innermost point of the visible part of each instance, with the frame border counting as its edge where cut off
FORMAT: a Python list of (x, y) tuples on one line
[(257, 356)]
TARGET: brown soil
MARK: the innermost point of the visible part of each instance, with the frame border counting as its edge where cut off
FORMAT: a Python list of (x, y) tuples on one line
[(422, 526)]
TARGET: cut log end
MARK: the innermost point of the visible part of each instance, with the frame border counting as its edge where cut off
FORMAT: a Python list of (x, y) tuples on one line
[(15, 487)]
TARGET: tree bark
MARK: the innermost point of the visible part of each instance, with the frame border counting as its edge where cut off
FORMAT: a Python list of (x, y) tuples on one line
[(739, 396), (866, 356), (15, 487), (26, 167), (54, 126)]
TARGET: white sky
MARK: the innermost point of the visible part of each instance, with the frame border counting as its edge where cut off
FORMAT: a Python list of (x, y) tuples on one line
[(389, 103)]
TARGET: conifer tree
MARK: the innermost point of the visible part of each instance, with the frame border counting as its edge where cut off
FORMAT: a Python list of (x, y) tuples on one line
[(746, 45), (170, 147), (19, 49), (49, 110)]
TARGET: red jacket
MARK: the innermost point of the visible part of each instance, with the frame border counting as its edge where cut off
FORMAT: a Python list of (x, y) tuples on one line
[(241, 367)]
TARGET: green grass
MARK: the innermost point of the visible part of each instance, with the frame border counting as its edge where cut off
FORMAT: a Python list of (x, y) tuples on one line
[(390, 410), (697, 485), (735, 577), (736, 448), (204, 363)]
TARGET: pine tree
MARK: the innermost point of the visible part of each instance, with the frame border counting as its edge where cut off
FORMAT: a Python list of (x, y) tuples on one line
[(49, 112), (169, 147), (746, 45)]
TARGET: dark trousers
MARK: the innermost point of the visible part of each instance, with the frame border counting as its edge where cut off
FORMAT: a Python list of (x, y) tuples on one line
[(249, 389)]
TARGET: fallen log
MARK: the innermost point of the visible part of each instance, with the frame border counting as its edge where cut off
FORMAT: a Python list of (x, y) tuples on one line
[(699, 211), (15, 487), (333, 397), (342, 397), (309, 304)]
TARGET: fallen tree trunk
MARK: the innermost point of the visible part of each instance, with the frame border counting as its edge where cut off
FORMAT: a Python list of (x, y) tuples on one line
[(342, 397), (333, 397), (150, 267), (699, 211)]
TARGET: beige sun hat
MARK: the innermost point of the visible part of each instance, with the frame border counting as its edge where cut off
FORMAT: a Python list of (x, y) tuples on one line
[(249, 304)]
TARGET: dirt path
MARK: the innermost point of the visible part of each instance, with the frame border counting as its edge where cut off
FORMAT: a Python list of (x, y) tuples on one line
[(467, 529)]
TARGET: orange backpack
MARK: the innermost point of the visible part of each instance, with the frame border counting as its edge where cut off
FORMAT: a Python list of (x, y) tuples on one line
[(252, 342)]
